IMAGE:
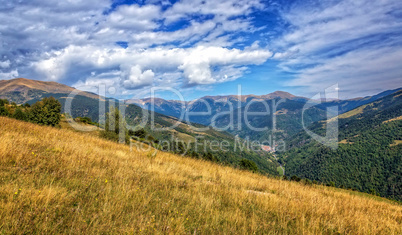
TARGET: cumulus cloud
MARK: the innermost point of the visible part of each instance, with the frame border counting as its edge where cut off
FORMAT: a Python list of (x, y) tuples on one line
[(4, 64), (9, 75), (134, 17), (197, 66), (134, 77), (74, 42)]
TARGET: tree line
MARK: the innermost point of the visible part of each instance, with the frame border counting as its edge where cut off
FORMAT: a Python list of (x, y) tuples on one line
[(44, 112)]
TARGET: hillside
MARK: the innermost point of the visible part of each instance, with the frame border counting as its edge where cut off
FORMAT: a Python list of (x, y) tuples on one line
[(60, 181), (22, 90), (198, 140), (369, 154)]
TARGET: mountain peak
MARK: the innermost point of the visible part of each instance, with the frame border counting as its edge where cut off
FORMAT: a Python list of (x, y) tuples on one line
[(278, 94), (25, 86)]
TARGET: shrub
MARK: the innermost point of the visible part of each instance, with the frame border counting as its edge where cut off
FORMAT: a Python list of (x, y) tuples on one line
[(19, 115), (248, 165), (3, 102), (4, 111), (110, 135), (46, 112), (295, 178), (210, 157), (331, 184), (86, 120)]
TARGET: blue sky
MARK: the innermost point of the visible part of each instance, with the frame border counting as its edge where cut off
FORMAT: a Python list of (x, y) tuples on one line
[(203, 47)]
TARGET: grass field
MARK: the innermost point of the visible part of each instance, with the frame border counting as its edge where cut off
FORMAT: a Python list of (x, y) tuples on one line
[(60, 181)]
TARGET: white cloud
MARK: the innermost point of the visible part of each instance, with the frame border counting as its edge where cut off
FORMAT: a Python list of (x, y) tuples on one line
[(9, 75), (139, 67), (54, 69), (223, 8), (350, 42), (134, 77), (109, 79), (4, 64), (68, 40), (197, 64), (134, 17)]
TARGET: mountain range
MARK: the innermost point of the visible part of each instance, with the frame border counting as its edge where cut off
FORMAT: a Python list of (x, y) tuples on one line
[(224, 112)]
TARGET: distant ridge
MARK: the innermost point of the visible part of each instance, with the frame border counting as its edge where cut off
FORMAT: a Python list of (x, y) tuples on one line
[(243, 98), (23, 84), (26, 89)]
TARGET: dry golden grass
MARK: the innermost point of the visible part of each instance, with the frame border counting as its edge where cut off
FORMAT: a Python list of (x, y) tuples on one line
[(396, 142), (60, 181), (345, 141), (393, 119)]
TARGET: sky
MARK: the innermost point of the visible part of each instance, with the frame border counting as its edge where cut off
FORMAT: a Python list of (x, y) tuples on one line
[(205, 47)]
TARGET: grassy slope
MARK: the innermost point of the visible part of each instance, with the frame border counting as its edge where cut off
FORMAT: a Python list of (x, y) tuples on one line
[(60, 181)]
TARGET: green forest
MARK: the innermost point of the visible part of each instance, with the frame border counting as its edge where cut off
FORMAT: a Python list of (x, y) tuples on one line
[(368, 157)]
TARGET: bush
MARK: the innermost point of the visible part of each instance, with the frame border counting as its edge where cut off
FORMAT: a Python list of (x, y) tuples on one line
[(19, 115), (4, 111), (110, 135), (86, 120), (140, 133), (331, 184), (210, 157), (295, 178), (3, 102), (248, 165), (46, 112)]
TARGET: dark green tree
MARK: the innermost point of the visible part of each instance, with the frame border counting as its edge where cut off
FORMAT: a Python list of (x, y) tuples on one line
[(19, 114), (3, 102), (115, 121), (210, 157), (141, 133), (46, 112), (4, 111), (248, 165), (115, 124)]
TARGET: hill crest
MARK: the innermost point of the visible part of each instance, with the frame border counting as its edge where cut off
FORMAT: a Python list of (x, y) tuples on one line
[(24, 86)]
